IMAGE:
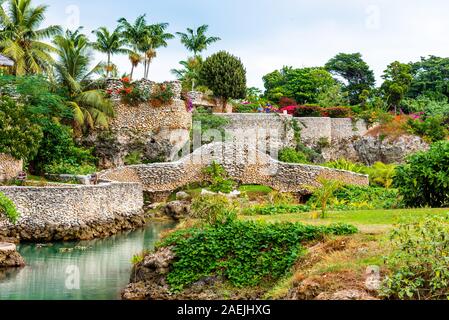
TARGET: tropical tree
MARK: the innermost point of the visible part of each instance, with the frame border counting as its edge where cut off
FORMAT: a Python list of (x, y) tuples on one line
[(110, 43), (197, 41), (225, 75), (190, 74), (90, 107), (397, 82), (155, 38), (355, 74), (21, 37), (134, 34)]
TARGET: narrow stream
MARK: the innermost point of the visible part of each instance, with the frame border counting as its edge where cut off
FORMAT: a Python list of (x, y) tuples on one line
[(88, 270)]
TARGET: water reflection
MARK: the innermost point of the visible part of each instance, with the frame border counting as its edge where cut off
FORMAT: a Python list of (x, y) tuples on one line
[(100, 268)]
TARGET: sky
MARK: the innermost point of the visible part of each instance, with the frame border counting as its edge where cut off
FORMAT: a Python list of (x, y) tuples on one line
[(270, 34)]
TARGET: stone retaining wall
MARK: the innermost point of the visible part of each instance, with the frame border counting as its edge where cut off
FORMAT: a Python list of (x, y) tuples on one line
[(244, 164), (73, 212), (9, 167)]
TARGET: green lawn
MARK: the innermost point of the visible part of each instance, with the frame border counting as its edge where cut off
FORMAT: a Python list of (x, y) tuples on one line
[(369, 221)]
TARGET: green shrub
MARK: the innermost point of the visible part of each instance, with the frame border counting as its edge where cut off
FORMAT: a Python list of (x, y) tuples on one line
[(244, 253), (419, 261), (272, 210), (343, 164), (364, 198), (19, 137), (214, 209), (308, 111), (290, 155), (218, 177), (64, 167), (431, 129), (8, 208), (133, 158), (424, 179)]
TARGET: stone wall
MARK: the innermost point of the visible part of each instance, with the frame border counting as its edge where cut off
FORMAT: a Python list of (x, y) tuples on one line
[(158, 133), (244, 164), (73, 212), (9, 167), (269, 131)]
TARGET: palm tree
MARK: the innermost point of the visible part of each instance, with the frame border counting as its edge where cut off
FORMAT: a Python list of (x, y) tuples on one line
[(21, 38), (135, 35), (190, 74), (90, 107), (197, 41), (155, 38), (109, 43)]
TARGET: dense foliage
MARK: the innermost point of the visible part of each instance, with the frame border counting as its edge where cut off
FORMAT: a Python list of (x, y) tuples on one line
[(244, 253), (418, 262), (424, 179), (8, 208), (19, 137), (218, 177), (225, 75)]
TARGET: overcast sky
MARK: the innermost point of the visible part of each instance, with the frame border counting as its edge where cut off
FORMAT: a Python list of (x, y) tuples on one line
[(268, 34)]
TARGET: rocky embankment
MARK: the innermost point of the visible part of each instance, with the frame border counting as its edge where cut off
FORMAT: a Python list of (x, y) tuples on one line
[(74, 230), (9, 257)]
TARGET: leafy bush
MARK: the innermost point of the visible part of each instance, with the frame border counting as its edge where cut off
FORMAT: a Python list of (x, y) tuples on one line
[(337, 112), (428, 106), (218, 177), (323, 194), (214, 209), (133, 158), (58, 150), (290, 155), (381, 175), (162, 95), (19, 137), (424, 179), (419, 261), (244, 253), (64, 167), (246, 108), (8, 208), (272, 210), (365, 198), (431, 129), (308, 111), (287, 102)]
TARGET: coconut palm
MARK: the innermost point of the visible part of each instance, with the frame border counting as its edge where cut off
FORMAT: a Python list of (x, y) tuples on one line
[(91, 109), (135, 35), (110, 44), (190, 74), (197, 41), (155, 38), (21, 39)]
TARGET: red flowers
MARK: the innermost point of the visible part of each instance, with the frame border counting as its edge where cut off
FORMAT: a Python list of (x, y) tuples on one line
[(126, 80)]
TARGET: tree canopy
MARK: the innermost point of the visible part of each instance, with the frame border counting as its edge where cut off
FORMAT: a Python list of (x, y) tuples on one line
[(354, 72)]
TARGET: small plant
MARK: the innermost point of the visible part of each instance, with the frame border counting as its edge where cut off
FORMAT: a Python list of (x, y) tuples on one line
[(419, 261), (218, 177), (133, 158), (324, 194), (64, 167), (8, 208), (162, 94), (136, 259), (214, 209)]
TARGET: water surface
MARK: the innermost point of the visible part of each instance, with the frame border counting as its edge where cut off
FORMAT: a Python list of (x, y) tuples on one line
[(87, 270)]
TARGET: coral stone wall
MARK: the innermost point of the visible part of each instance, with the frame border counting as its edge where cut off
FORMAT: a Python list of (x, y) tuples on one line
[(73, 212), (9, 167), (269, 131), (315, 129), (244, 164)]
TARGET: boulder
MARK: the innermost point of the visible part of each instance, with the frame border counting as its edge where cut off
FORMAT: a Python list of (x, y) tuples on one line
[(177, 210), (9, 257), (181, 196)]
